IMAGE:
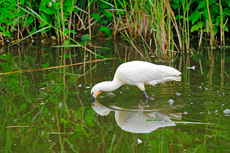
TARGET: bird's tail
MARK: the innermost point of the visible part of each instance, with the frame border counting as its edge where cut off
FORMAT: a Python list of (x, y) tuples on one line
[(169, 78)]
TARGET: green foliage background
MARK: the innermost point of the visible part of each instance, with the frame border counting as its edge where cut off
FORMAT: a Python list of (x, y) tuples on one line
[(161, 20)]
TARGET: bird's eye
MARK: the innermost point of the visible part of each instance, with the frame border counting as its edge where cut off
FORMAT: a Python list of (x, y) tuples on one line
[(92, 93)]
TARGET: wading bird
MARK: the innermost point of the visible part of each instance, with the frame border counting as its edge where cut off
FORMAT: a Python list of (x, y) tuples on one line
[(137, 73)]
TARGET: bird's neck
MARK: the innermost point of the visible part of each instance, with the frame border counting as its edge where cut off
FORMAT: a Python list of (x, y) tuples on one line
[(112, 85)]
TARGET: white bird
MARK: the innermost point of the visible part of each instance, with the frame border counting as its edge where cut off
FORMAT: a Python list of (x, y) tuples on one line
[(137, 73)]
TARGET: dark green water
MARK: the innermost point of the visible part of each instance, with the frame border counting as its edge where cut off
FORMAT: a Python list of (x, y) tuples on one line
[(45, 108)]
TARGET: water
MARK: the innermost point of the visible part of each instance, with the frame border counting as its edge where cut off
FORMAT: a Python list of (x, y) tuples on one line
[(46, 106)]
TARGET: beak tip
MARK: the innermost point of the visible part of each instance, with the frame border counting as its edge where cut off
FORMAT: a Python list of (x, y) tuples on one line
[(93, 99)]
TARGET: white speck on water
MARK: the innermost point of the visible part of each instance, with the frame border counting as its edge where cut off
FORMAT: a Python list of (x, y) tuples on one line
[(120, 91), (171, 101), (79, 85), (147, 105), (60, 105), (185, 113), (139, 141), (42, 88), (192, 68), (178, 94), (201, 112), (200, 87), (41, 103), (222, 104), (87, 87), (227, 111), (216, 111)]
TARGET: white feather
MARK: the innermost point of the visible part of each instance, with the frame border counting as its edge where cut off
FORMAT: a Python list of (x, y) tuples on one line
[(138, 73)]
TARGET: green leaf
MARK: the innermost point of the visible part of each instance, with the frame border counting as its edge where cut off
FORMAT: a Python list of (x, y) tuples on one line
[(22, 2), (67, 55), (104, 21), (6, 33), (2, 28), (228, 3), (200, 25), (175, 6), (227, 11), (46, 65), (44, 16), (23, 106), (66, 42), (47, 10), (215, 8), (29, 21), (176, 1), (194, 28), (211, 1), (178, 17), (106, 30), (104, 6), (72, 31), (194, 15), (225, 28), (85, 37), (96, 16), (183, 2), (201, 5), (108, 14)]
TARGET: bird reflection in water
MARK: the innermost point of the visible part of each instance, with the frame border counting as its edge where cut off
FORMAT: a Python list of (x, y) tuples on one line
[(135, 120)]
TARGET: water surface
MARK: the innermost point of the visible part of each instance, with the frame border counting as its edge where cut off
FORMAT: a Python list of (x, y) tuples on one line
[(46, 106)]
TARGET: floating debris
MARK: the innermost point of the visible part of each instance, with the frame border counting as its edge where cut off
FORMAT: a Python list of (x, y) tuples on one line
[(227, 111), (139, 141), (193, 67), (171, 101)]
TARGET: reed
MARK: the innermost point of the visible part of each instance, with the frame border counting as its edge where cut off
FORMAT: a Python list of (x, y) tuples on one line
[(161, 21)]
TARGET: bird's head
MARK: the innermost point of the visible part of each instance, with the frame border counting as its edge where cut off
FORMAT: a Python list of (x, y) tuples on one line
[(95, 91)]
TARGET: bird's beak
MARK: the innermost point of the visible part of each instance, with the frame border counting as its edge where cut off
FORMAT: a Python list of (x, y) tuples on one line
[(93, 98)]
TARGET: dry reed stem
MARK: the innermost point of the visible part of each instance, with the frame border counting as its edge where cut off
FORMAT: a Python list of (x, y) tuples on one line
[(81, 22), (70, 21), (54, 67), (59, 131), (62, 16), (174, 23), (16, 126), (89, 22), (200, 41), (210, 24)]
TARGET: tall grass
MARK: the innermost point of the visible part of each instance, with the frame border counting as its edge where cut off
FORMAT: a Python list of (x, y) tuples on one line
[(170, 24)]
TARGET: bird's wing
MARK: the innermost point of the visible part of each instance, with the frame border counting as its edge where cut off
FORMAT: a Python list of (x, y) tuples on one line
[(140, 72)]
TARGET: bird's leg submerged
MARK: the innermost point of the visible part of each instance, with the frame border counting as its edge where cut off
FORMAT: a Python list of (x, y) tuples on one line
[(145, 94)]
